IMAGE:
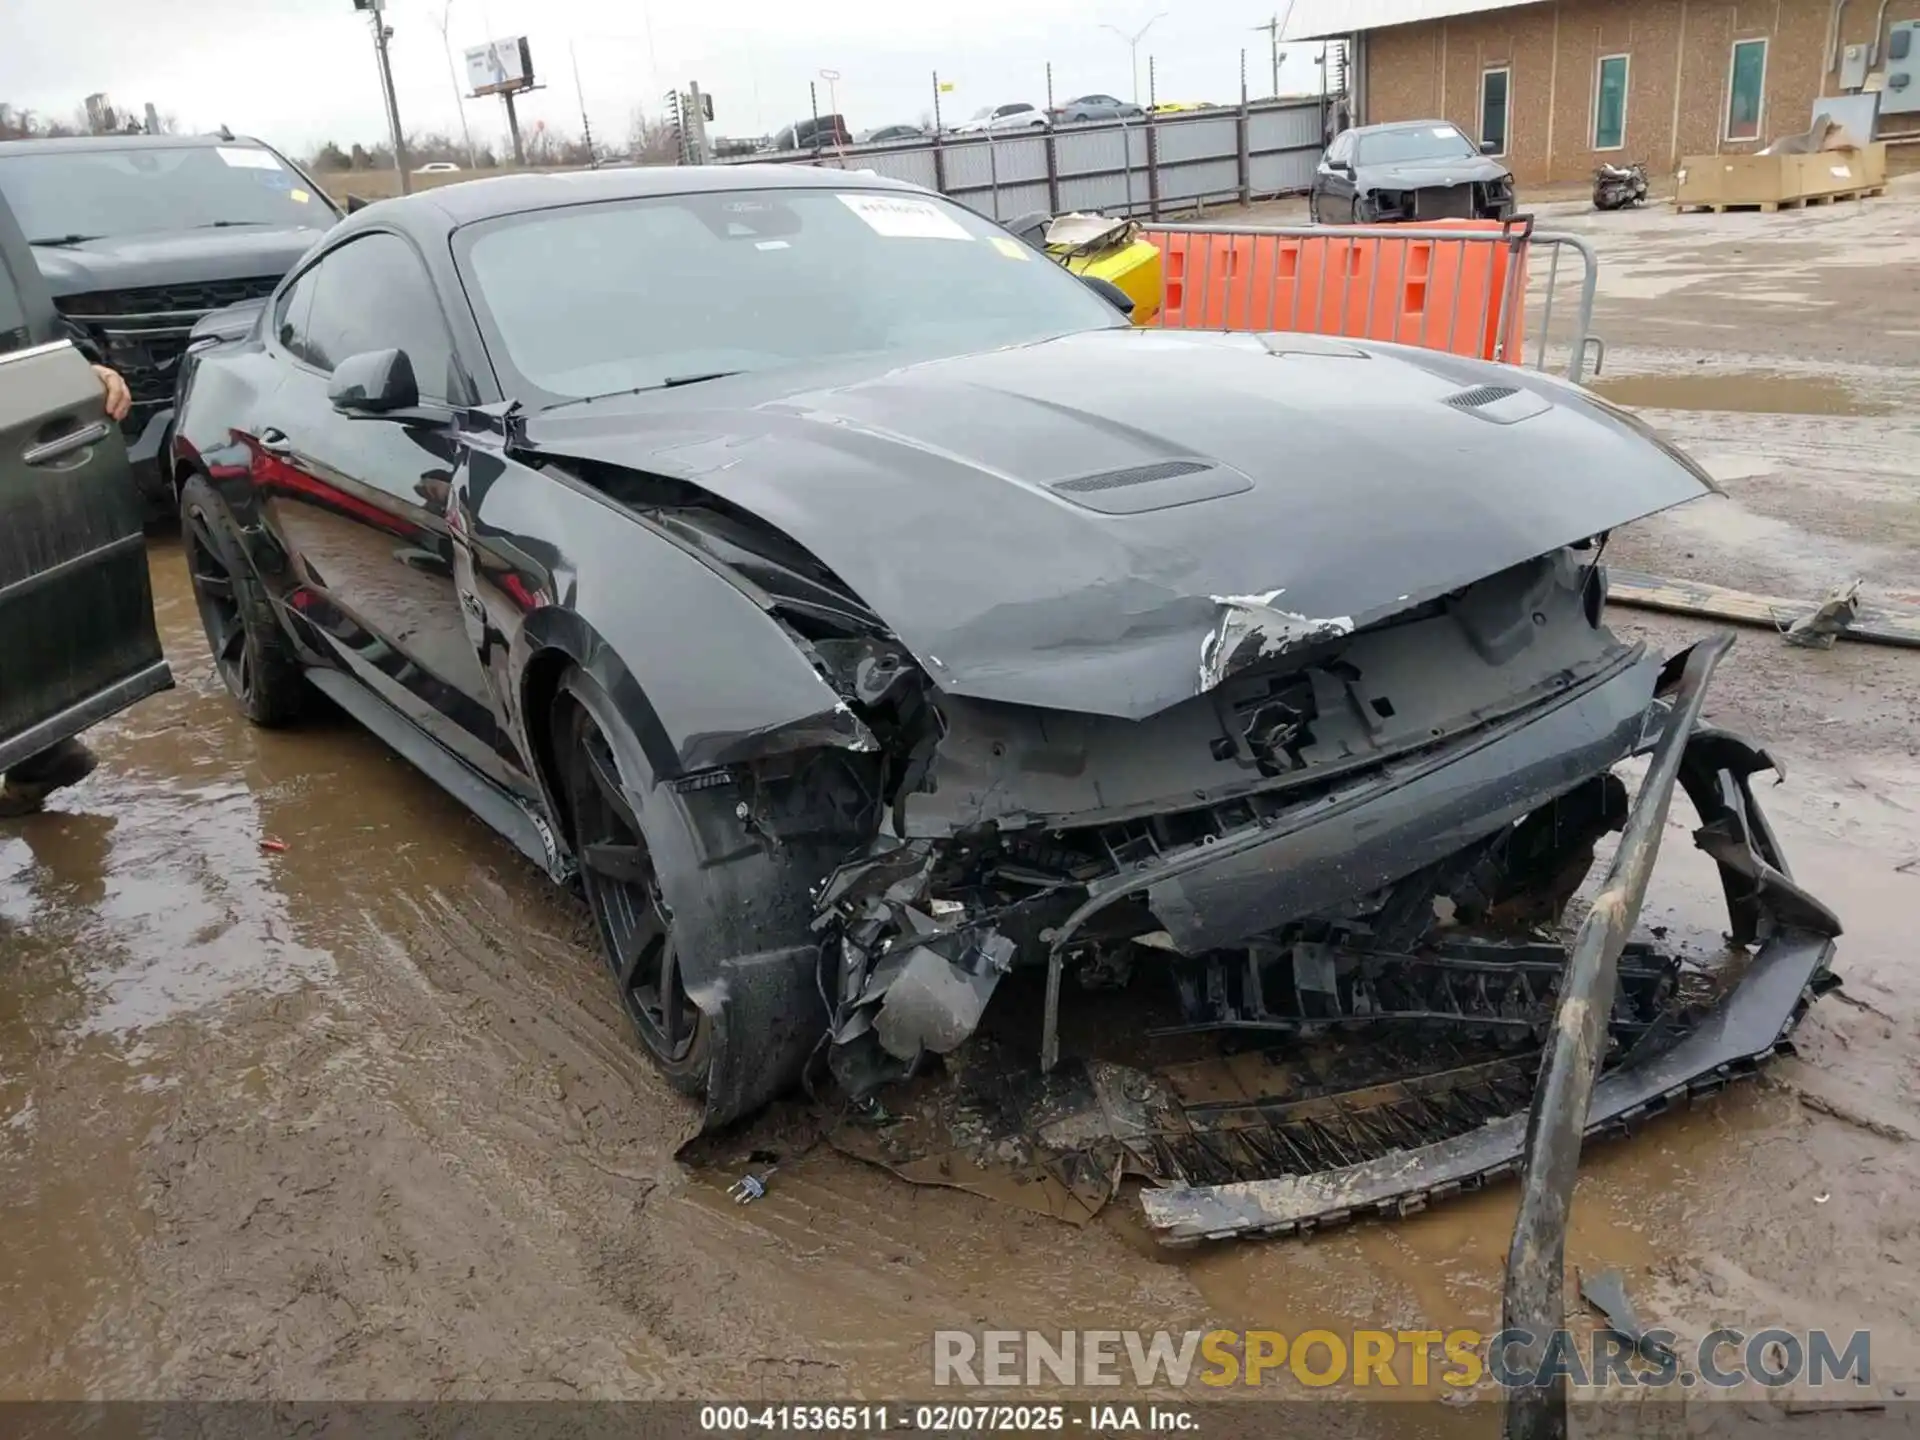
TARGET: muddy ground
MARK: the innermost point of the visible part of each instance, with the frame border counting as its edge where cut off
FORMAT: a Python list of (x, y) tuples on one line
[(361, 1117)]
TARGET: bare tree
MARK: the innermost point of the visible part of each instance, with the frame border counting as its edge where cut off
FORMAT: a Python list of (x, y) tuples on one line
[(652, 141), (17, 122)]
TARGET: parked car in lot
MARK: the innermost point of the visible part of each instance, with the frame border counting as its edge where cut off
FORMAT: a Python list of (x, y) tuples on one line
[(1414, 170), (891, 134), (1094, 107), (438, 167), (138, 236), (855, 646), (997, 118), (813, 133), (77, 635)]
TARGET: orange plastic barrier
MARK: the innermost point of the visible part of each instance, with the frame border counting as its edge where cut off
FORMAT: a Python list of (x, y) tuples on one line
[(1439, 294)]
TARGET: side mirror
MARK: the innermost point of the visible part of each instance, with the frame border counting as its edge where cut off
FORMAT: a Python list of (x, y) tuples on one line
[(1340, 167), (374, 383), (1489, 147), (356, 202), (1109, 292), (1031, 228)]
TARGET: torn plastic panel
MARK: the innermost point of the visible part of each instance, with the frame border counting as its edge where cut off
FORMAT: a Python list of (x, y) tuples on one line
[(1252, 629), (1692, 1049)]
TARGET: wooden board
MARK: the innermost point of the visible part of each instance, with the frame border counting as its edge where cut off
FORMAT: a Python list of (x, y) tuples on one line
[(1874, 625), (1769, 206)]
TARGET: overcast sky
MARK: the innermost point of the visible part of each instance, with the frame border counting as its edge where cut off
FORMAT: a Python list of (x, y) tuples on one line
[(298, 72)]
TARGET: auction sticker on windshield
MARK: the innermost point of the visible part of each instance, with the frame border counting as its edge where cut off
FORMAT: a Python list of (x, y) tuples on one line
[(248, 159), (904, 219)]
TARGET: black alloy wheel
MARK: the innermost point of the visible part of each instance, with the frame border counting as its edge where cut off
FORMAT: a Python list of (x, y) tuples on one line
[(253, 656), (636, 929), (213, 592)]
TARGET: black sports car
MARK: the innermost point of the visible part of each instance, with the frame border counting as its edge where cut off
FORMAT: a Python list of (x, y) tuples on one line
[(1410, 170), (863, 609)]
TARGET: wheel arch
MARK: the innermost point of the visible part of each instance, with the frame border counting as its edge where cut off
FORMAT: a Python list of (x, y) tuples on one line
[(559, 640)]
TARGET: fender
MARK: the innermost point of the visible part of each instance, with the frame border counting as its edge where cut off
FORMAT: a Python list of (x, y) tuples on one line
[(547, 566)]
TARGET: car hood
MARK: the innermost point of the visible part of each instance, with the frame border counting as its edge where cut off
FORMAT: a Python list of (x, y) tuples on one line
[(1081, 523), (186, 257), (1413, 174)]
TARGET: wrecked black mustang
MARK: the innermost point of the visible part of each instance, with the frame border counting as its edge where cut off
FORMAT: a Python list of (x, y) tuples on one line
[(864, 613)]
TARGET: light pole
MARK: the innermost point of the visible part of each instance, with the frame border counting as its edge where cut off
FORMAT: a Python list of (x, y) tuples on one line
[(832, 77), (453, 78), (1133, 48), (382, 33)]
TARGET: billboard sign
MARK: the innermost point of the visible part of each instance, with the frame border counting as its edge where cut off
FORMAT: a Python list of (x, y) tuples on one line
[(499, 66)]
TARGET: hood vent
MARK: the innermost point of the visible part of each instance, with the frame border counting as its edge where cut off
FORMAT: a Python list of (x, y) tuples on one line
[(1500, 404), (1157, 485), (1132, 475), (1480, 395)]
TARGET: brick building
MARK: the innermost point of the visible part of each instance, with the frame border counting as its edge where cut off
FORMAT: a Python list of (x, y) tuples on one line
[(1561, 85)]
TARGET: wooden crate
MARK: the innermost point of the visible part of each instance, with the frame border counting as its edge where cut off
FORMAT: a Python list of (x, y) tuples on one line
[(1773, 182)]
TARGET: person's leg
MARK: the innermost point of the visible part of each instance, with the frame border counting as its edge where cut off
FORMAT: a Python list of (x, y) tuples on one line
[(30, 782)]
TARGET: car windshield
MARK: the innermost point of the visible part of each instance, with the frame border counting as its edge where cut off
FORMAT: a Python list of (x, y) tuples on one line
[(66, 195), (1425, 142), (599, 299)]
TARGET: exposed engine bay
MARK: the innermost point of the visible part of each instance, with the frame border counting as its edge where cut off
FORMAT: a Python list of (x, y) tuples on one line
[(1469, 200)]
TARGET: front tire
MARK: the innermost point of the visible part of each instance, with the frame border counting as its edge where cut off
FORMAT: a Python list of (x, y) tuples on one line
[(622, 889), (255, 658)]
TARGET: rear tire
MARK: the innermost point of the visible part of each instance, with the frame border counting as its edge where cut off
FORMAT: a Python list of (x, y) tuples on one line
[(254, 657)]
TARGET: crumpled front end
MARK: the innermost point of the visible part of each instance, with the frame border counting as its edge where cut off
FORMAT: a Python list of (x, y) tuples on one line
[(1350, 856)]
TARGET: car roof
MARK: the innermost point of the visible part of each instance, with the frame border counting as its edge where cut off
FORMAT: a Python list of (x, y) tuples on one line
[(1397, 125), (76, 143), (450, 206)]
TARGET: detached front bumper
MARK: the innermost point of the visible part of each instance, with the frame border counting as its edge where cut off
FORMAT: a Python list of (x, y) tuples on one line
[(1749, 1022)]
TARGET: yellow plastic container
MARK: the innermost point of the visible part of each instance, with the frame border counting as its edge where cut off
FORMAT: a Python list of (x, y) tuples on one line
[(1133, 265)]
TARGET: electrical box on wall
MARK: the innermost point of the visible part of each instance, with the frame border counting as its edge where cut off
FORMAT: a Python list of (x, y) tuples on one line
[(1900, 91), (1853, 67)]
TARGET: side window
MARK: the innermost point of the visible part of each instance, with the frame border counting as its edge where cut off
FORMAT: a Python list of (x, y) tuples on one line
[(1746, 89), (290, 315), (1493, 108), (373, 294)]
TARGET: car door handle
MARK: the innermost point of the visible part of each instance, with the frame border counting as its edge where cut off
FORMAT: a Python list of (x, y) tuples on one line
[(275, 441), (47, 451)]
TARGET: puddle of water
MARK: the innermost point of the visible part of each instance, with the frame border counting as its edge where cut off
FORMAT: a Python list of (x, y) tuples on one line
[(1751, 392), (143, 899)]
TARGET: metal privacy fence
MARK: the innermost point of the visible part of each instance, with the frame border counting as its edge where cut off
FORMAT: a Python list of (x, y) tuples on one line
[(1158, 165)]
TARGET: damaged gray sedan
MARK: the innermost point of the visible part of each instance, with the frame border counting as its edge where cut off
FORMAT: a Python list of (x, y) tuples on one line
[(898, 646)]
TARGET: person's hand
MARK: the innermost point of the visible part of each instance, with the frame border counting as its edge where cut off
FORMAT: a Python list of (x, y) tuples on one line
[(119, 401)]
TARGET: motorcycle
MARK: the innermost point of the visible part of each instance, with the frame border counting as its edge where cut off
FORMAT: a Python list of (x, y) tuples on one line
[(1619, 187)]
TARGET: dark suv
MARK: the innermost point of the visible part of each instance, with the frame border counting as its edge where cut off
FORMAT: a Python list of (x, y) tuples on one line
[(138, 236)]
